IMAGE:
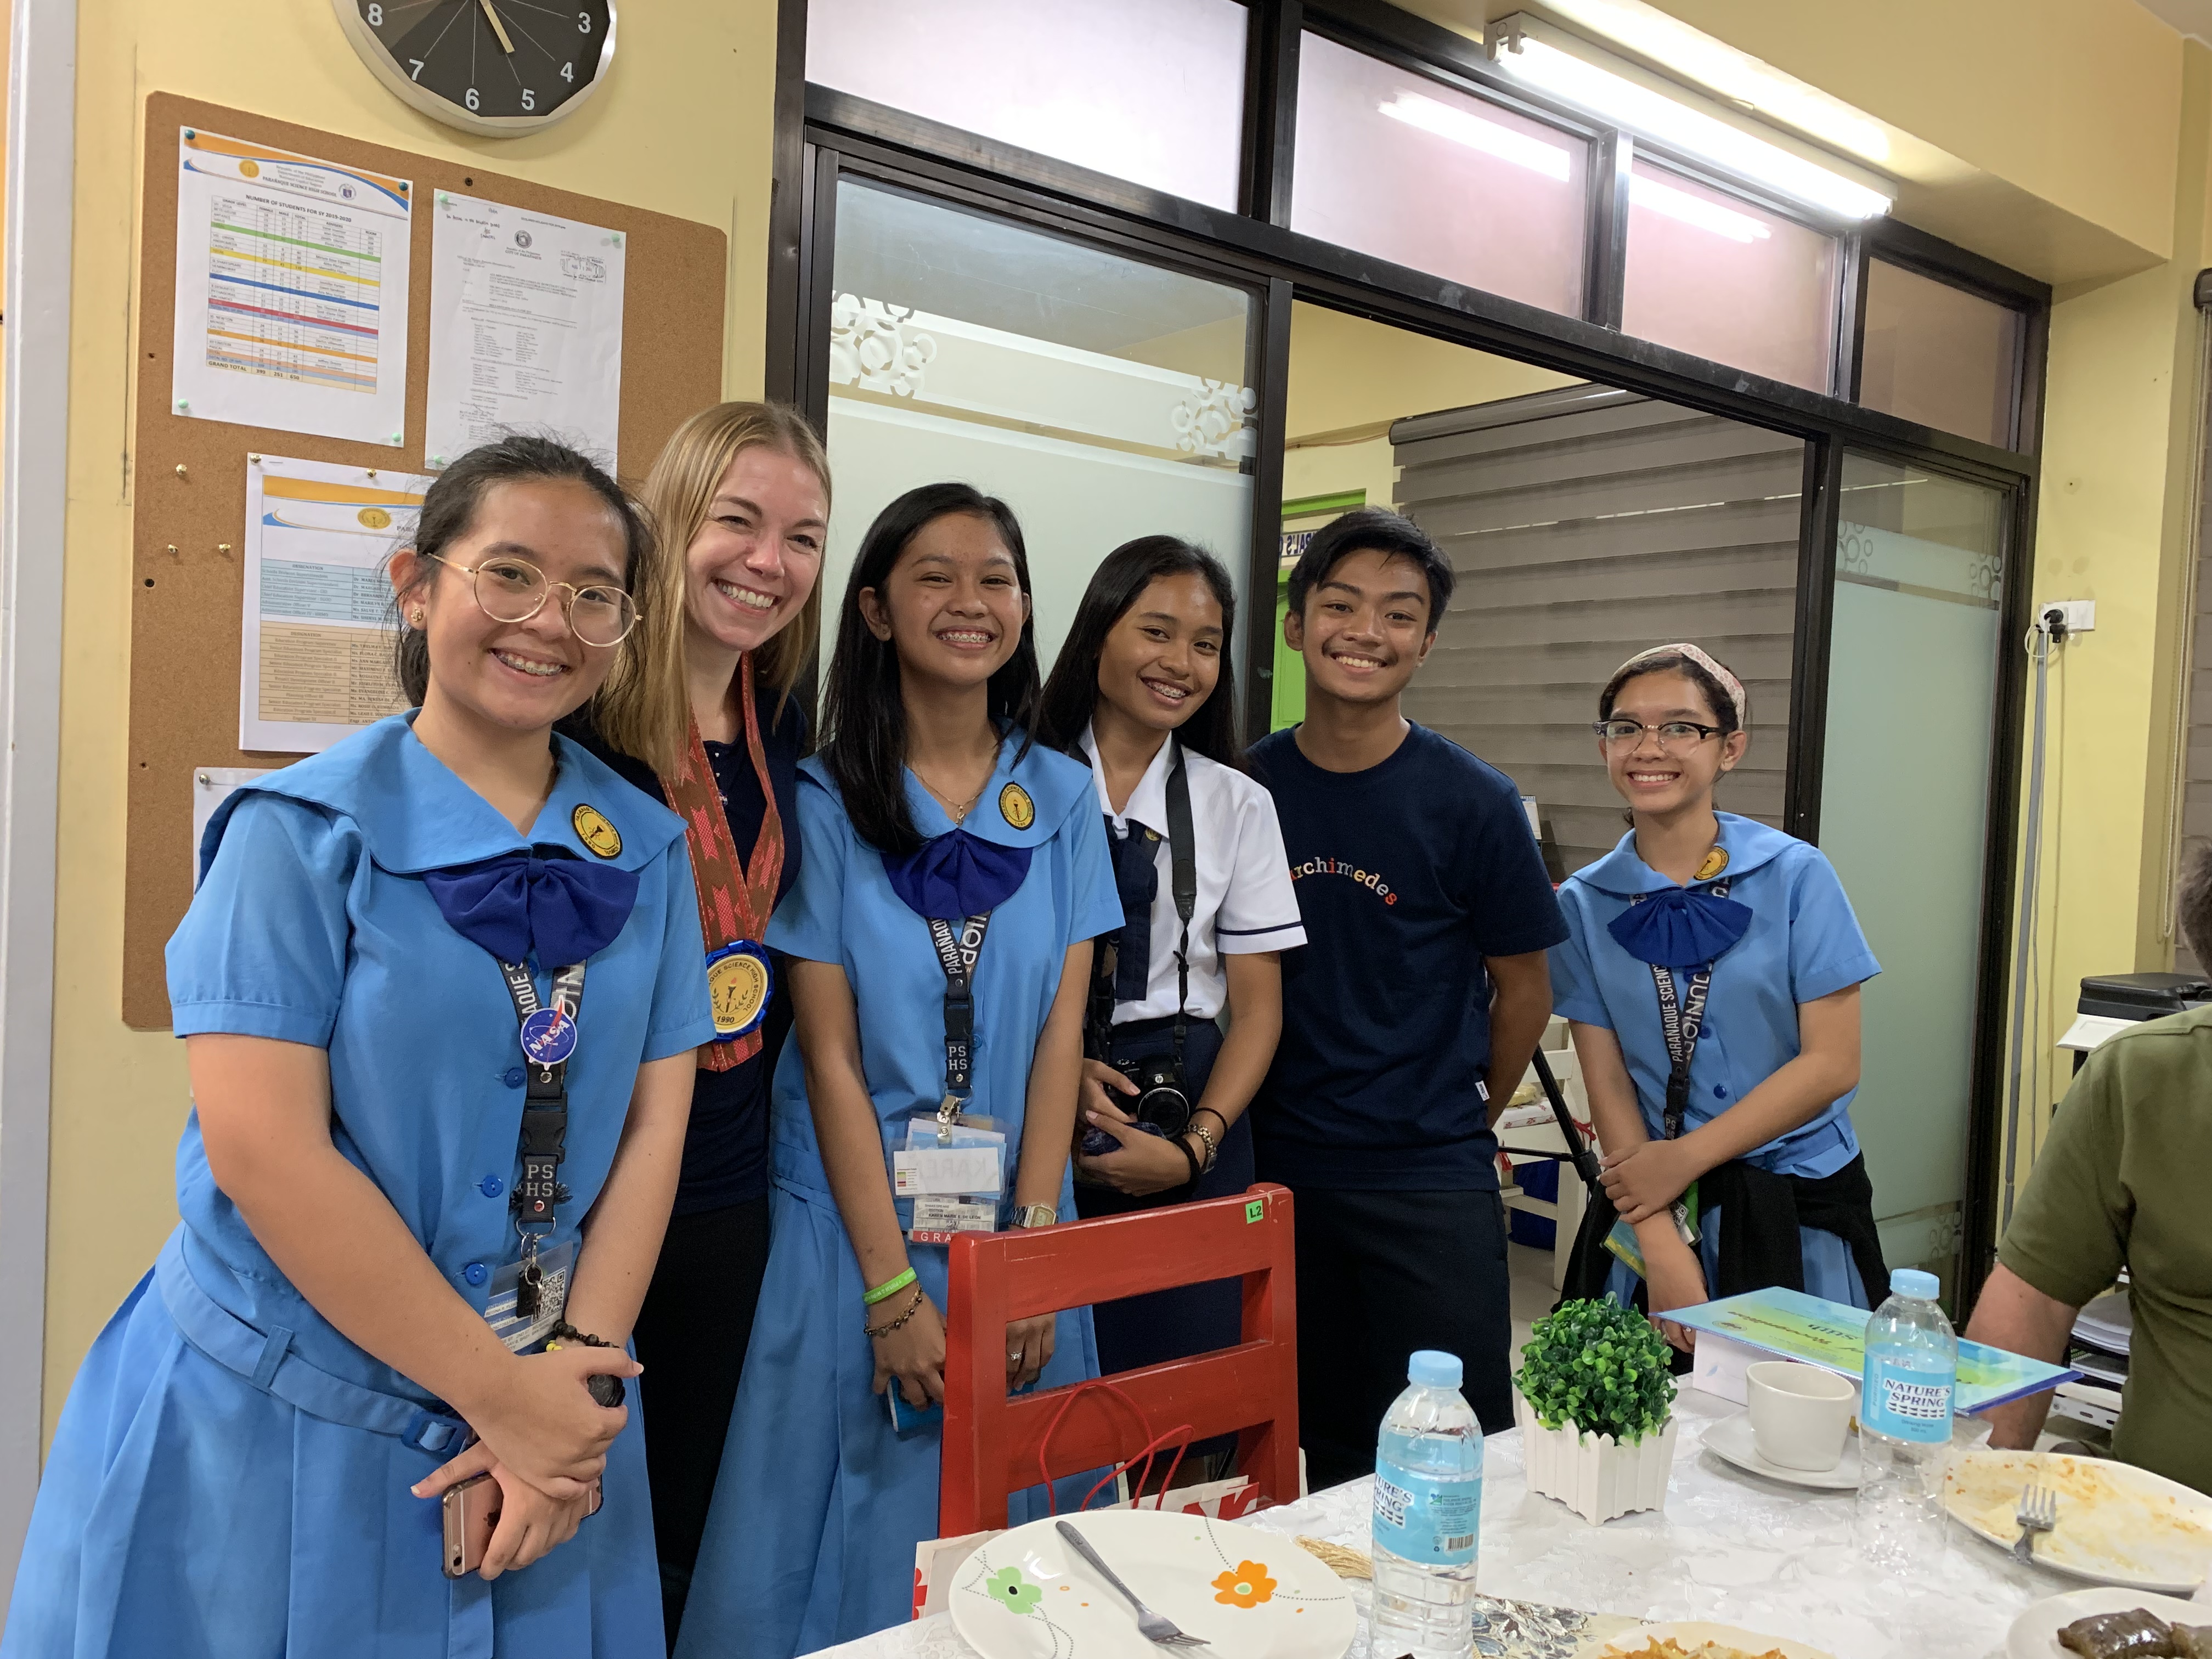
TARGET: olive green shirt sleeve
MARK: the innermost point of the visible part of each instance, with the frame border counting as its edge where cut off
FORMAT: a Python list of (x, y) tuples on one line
[(2068, 1237)]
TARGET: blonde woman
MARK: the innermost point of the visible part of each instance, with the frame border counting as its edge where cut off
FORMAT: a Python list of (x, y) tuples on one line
[(701, 714)]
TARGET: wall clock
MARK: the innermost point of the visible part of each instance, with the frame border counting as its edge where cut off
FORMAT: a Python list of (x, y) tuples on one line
[(500, 68)]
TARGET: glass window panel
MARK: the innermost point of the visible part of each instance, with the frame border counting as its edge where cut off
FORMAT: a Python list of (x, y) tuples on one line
[(1413, 172), (1722, 277), (1912, 683), (1103, 399), (1148, 90), (1938, 355)]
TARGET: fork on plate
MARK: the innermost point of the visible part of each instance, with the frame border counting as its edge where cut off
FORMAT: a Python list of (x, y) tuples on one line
[(2039, 1513), (1161, 1633)]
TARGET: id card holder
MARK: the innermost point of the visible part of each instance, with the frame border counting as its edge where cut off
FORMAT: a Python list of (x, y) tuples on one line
[(520, 1334), (954, 1175), (1622, 1240)]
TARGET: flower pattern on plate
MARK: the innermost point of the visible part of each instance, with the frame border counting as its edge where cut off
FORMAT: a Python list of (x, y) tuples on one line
[(1011, 1591), (1245, 1585)]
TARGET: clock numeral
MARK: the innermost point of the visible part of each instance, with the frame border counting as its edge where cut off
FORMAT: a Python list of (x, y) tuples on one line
[(417, 75), (583, 22), (376, 17), (528, 99), (567, 71), (471, 99)]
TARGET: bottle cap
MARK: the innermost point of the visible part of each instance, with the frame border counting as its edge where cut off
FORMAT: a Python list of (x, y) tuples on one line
[(1914, 1282), (1433, 1368)]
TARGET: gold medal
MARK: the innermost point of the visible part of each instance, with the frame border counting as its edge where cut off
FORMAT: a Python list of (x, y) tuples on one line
[(1016, 806), (1716, 862), (596, 833), (738, 982)]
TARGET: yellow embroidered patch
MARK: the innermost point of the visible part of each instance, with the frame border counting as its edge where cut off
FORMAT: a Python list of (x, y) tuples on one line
[(1016, 806), (596, 833), (1716, 862)]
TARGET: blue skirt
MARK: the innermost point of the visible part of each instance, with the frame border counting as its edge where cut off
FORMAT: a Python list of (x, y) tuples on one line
[(185, 1514), (819, 1505)]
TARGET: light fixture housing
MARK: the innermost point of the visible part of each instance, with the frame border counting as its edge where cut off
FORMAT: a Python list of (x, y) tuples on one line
[(1552, 61)]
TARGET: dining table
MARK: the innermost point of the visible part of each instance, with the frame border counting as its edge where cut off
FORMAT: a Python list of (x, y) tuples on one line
[(1729, 1547)]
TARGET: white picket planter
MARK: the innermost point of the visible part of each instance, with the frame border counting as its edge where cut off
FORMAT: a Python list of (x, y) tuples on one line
[(1593, 1474)]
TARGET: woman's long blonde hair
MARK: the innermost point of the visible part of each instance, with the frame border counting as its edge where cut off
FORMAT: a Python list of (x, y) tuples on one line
[(645, 708)]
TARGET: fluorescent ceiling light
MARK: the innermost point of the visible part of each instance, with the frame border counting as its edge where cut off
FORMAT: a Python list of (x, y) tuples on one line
[(1536, 62), (1757, 85), (1489, 136), (1696, 211)]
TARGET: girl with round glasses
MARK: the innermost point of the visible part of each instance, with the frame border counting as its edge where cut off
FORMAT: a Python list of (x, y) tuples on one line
[(439, 991), (703, 716), (1710, 978)]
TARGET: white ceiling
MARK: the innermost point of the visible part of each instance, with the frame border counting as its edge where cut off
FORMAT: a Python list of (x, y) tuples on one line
[(2190, 16)]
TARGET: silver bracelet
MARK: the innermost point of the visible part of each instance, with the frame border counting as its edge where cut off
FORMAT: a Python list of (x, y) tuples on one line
[(1212, 1146)]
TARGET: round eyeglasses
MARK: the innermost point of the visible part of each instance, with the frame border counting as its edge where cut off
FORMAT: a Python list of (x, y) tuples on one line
[(509, 589), (1673, 734)]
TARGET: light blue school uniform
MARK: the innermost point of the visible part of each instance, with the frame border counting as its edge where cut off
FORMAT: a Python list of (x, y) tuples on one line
[(819, 1505), (1803, 943), (231, 1473)]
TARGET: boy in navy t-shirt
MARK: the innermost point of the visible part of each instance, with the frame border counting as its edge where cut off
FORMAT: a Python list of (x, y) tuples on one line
[(1412, 1010)]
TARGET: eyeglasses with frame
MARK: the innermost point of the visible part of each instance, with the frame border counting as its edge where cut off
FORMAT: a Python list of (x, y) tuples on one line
[(510, 589), (1673, 734)]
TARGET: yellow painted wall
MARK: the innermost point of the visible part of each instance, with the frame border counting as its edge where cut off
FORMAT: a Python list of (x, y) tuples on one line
[(682, 126)]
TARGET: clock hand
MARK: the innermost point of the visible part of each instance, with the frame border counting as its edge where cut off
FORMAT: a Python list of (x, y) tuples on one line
[(498, 27)]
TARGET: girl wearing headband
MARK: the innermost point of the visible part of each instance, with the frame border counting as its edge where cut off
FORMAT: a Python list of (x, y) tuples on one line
[(1710, 977)]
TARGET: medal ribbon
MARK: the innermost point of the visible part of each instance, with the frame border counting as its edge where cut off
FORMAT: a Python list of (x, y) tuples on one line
[(735, 899)]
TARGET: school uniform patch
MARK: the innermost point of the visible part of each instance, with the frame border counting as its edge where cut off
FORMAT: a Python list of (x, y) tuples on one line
[(596, 833), (1016, 806)]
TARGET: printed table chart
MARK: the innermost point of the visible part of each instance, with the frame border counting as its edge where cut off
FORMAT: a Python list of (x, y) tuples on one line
[(1729, 1547)]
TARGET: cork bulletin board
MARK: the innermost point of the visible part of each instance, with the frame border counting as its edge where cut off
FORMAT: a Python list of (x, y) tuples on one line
[(187, 566)]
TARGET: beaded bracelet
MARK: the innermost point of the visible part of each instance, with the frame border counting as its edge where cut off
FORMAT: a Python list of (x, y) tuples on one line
[(888, 1289), (606, 1391), (912, 1308), (1212, 1146)]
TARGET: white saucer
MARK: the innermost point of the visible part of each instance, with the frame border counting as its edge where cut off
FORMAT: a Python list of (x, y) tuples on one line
[(2034, 1634), (1731, 1438)]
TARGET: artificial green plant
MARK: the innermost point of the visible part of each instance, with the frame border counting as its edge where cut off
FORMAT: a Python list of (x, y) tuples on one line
[(1600, 1367)]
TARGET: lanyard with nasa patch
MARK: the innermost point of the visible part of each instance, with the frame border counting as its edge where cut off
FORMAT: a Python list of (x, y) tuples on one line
[(957, 954), (549, 1038)]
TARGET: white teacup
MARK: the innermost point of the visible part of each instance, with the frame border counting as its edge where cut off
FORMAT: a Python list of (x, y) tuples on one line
[(1800, 1415)]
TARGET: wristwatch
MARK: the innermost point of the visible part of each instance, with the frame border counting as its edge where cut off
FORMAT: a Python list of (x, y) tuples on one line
[(1034, 1215)]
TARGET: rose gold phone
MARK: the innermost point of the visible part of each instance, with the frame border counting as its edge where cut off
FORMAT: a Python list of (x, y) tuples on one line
[(471, 1511)]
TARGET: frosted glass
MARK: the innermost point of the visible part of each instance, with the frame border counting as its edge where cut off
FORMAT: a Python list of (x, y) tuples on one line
[(1151, 91), (1411, 170), (1101, 397), (1913, 674), (1719, 277), (1938, 355)]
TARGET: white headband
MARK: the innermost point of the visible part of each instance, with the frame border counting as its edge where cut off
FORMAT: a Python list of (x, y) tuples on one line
[(1729, 683)]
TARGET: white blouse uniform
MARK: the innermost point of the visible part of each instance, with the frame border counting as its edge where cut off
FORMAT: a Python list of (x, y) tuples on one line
[(1245, 903)]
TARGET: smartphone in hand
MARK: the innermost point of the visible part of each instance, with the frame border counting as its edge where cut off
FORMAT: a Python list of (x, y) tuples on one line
[(472, 1512)]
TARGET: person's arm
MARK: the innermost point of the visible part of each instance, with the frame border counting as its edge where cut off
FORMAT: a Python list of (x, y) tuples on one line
[(1673, 1275), (1145, 1163), (2013, 1315), (264, 1113), (827, 1023), (1047, 1129), (623, 1233), (1643, 1181), (1520, 1008)]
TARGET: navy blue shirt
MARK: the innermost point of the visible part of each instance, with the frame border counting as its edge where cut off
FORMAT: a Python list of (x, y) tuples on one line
[(725, 1146), (1407, 875)]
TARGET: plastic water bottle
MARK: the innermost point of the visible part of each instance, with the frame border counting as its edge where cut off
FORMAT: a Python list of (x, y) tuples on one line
[(1905, 1423), (1428, 1508)]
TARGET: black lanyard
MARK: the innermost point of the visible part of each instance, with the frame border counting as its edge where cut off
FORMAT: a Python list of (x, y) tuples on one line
[(1182, 884), (957, 954), (1680, 1022), (544, 1112)]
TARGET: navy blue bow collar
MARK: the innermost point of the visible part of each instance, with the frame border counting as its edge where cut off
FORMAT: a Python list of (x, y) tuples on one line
[(1680, 928), (956, 874), (559, 908)]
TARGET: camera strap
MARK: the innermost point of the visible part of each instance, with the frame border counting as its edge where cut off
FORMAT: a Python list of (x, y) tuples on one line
[(957, 954), (1182, 854)]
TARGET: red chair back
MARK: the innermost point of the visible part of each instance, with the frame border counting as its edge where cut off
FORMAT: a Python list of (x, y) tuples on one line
[(992, 1440)]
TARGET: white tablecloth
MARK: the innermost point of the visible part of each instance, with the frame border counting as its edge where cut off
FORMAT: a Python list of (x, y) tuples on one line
[(1729, 1547)]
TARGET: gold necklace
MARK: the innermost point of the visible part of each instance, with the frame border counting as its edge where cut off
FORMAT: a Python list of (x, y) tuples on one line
[(958, 810)]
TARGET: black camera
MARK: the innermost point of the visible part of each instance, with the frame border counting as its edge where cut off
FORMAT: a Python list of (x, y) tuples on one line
[(1162, 1107)]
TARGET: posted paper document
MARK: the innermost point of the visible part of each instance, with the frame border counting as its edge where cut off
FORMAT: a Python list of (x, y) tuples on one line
[(315, 653), (291, 292), (526, 329)]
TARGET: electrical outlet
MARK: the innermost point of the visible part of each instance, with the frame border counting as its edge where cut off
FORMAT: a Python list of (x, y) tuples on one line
[(2081, 615)]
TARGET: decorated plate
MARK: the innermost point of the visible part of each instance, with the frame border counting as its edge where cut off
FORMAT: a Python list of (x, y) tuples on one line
[(2034, 1634), (2117, 1524), (1253, 1594), (1703, 1641)]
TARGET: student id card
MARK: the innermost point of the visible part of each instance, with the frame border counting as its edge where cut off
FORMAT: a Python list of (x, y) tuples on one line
[(954, 1180), (521, 1334)]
